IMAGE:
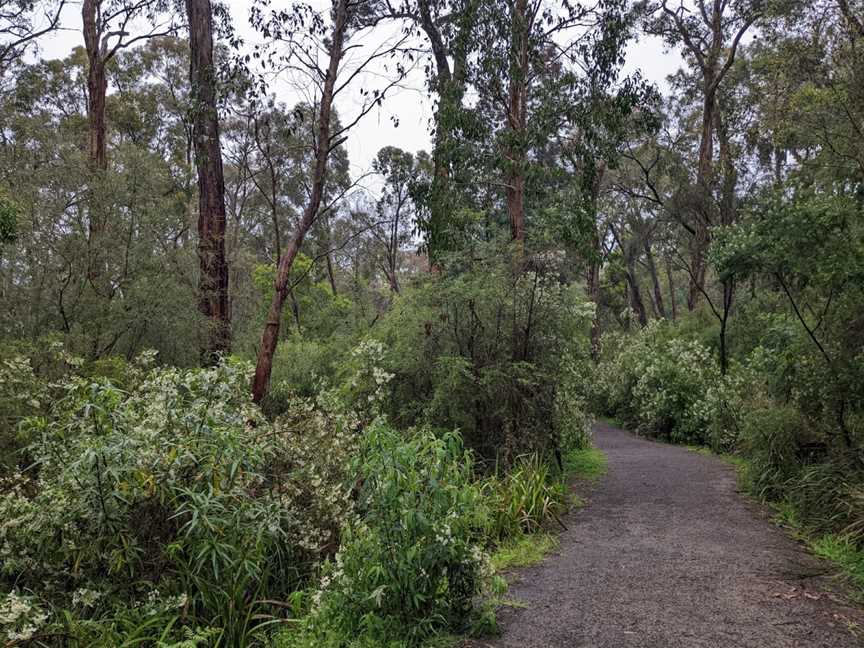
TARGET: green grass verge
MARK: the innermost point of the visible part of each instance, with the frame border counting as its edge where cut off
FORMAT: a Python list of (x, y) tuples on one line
[(836, 549), (843, 553), (523, 551), (589, 463)]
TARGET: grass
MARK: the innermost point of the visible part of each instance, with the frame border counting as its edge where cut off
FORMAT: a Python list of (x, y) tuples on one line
[(839, 550), (523, 551), (842, 552), (588, 463)]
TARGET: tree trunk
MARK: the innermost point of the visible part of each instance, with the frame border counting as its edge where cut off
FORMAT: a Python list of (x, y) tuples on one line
[(701, 220), (97, 89), (595, 258), (270, 336), (728, 215), (673, 299), (97, 84), (213, 278), (655, 282), (636, 303), (516, 116), (592, 281)]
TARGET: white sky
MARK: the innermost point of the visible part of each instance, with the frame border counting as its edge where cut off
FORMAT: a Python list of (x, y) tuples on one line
[(409, 103)]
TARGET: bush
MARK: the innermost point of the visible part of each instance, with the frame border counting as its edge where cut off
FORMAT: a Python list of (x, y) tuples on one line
[(177, 497), (725, 405), (490, 352), (656, 384), (772, 436), (410, 565)]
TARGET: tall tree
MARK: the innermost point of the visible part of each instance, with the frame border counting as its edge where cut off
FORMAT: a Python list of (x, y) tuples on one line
[(213, 302), (323, 146), (105, 25), (710, 34)]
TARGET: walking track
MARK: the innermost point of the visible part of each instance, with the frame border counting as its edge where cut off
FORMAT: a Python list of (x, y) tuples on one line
[(667, 554)]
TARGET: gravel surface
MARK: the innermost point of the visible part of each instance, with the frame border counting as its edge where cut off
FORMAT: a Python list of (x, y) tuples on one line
[(667, 554)]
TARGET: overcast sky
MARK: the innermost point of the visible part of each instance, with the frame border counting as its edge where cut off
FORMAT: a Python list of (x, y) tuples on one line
[(409, 103)]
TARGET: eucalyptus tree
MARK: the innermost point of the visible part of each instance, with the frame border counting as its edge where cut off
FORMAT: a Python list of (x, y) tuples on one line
[(106, 25), (448, 29), (709, 35), (307, 35), (213, 301)]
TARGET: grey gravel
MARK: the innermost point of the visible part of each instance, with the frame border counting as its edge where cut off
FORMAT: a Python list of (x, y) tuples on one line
[(667, 554)]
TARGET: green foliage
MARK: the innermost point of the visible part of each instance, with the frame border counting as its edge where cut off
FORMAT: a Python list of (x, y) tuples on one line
[(409, 566), (525, 499), (845, 553), (8, 219), (656, 382), (773, 436), (494, 353), (175, 496)]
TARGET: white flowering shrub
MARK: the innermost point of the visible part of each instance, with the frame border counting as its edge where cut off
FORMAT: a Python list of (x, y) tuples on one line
[(657, 384), (411, 563), (20, 618), (178, 483), (364, 380), (726, 405), (670, 391)]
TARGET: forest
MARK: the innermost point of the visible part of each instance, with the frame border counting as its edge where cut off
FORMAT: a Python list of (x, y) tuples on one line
[(253, 393)]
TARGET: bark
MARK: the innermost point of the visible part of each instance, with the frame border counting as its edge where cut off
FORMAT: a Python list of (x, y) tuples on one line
[(655, 282), (636, 303), (97, 89), (97, 83), (670, 282), (270, 335), (213, 300), (516, 121)]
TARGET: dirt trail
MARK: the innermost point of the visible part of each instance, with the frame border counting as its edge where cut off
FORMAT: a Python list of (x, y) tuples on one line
[(667, 554)]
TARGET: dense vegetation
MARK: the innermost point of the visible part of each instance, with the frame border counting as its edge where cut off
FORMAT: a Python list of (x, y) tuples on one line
[(245, 400)]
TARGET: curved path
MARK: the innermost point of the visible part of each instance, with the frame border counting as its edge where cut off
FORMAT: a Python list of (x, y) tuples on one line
[(667, 555)]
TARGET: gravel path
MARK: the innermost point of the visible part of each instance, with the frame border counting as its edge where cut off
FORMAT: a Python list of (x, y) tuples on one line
[(666, 554)]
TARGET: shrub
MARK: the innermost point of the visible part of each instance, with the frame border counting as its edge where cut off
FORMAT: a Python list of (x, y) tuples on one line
[(410, 565), (525, 499), (772, 437), (726, 403), (178, 490), (829, 498), (490, 352), (657, 384)]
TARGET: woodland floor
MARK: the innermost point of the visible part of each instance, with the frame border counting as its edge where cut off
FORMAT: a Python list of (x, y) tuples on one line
[(668, 554)]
